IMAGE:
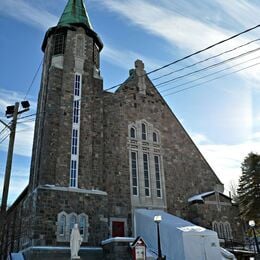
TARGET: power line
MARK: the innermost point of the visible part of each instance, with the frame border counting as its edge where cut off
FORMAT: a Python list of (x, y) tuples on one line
[(4, 138), (3, 130), (211, 74), (27, 116), (26, 121), (34, 78), (210, 58), (193, 54), (202, 83), (208, 67), (205, 49)]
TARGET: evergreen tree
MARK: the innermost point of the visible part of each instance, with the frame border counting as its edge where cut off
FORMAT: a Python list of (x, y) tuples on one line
[(249, 188)]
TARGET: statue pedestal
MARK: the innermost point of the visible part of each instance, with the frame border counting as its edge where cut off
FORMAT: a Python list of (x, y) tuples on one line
[(75, 257)]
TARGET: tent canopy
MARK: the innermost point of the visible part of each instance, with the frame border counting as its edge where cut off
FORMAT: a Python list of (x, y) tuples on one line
[(180, 239)]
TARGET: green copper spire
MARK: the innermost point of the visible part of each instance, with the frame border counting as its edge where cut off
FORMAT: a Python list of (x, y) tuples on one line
[(75, 12)]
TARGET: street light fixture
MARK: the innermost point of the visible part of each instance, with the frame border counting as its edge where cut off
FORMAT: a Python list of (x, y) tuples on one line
[(252, 225), (157, 220)]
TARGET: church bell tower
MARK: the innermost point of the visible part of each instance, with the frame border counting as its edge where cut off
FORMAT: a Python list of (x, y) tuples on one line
[(68, 132)]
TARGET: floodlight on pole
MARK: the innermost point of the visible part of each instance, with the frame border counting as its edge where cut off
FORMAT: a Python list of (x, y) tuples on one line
[(157, 219), (252, 225)]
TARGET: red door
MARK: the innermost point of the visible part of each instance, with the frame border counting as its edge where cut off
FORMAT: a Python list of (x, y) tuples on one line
[(118, 229)]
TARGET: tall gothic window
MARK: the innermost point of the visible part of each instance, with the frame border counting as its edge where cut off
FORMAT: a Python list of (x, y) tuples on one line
[(59, 44), (155, 137), (74, 146), (82, 225), (158, 176), (73, 221), (62, 225), (133, 132), (77, 85), (73, 173), (134, 173), (145, 162), (144, 131), (76, 111), (75, 131), (146, 175)]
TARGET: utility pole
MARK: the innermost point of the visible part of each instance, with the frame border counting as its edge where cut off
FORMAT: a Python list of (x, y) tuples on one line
[(12, 111), (9, 159)]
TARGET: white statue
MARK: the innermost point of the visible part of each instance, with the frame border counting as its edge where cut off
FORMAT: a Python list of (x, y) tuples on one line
[(75, 242)]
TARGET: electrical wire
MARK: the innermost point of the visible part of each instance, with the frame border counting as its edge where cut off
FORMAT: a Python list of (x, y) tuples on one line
[(211, 74), (210, 58), (4, 138), (26, 121), (34, 78), (202, 83), (3, 130), (193, 54), (26, 116), (208, 67), (205, 49)]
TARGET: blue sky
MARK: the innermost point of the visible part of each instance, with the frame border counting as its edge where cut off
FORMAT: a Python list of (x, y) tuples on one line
[(222, 117)]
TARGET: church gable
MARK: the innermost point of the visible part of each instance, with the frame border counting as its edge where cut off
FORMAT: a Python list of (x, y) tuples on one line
[(185, 170)]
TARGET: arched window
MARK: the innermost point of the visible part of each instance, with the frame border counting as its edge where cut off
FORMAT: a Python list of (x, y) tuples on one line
[(82, 225), (73, 221), (221, 230), (62, 225), (132, 132), (155, 137), (228, 232), (215, 227), (59, 44), (144, 131)]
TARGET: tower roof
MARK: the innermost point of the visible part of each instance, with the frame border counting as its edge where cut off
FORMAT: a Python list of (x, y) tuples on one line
[(75, 13)]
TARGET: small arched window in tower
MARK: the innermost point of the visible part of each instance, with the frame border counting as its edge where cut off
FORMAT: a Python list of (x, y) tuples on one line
[(59, 44), (144, 132), (80, 46), (82, 225), (133, 132), (62, 225)]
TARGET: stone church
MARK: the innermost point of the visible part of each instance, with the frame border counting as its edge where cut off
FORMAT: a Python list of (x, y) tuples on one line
[(97, 155)]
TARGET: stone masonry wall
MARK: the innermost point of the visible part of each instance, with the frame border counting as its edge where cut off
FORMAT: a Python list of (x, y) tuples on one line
[(186, 171), (49, 203)]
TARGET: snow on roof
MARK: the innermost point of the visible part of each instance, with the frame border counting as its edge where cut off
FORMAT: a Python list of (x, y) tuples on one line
[(200, 197), (117, 239)]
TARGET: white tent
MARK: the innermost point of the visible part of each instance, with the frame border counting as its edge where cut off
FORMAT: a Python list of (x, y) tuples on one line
[(180, 239)]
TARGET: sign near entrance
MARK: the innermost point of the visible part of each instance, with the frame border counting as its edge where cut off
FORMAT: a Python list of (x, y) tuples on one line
[(139, 249)]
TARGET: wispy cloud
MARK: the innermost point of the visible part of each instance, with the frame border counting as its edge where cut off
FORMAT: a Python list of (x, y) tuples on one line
[(26, 12), (183, 31), (244, 13), (25, 127), (226, 159), (125, 58)]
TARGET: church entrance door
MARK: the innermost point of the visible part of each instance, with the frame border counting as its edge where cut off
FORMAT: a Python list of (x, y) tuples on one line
[(118, 229)]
